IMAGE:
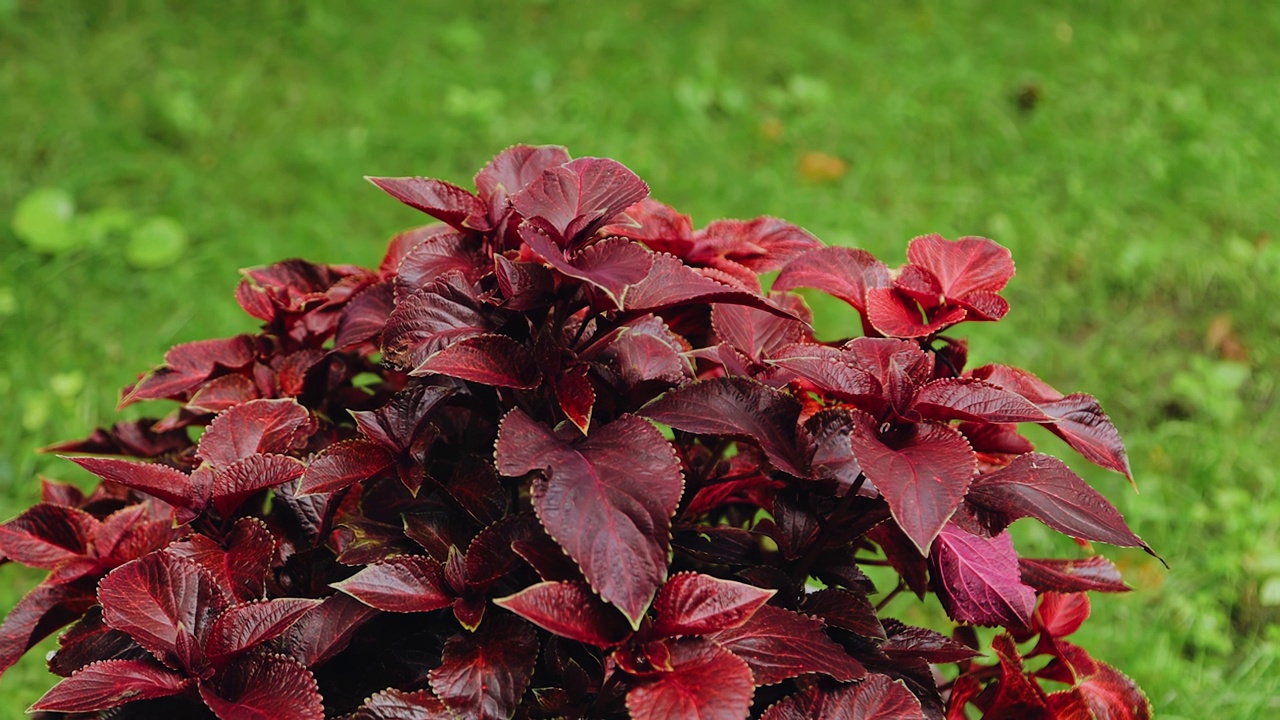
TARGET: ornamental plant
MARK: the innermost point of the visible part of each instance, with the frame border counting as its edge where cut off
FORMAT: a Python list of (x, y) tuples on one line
[(561, 455)]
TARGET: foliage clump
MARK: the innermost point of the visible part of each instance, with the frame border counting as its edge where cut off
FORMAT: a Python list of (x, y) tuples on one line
[(562, 456)]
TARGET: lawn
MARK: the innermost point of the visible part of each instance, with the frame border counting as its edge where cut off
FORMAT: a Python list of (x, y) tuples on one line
[(1125, 152)]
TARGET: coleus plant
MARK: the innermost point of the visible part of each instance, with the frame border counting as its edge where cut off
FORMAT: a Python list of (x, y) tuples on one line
[(561, 455)]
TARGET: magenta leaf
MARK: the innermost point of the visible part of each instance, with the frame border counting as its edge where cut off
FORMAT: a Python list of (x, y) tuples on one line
[(878, 697), (243, 478), (111, 683), (437, 198), (1096, 573), (697, 604), (264, 687), (1043, 487), (393, 704), (779, 644), (843, 273), (241, 568), (243, 627), (579, 197), (442, 312), (606, 499), (974, 400), (403, 584), (978, 580), (166, 603), (923, 477), (161, 481), (495, 360), (483, 674), (569, 609), (737, 407), (1110, 694), (344, 463), (705, 683), (47, 534), (258, 426)]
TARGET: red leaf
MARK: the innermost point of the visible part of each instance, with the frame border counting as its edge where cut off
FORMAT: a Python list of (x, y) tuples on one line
[(970, 399), (641, 350), (671, 283), (1061, 614), (436, 255), (923, 478), (490, 557), (779, 644), (167, 605), (843, 273), (327, 629), (90, 640), (697, 604), (611, 266), (437, 198), (49, 606), (978, 580), (906, 641), (248, 625), (442, 312), (832, 450), (405, 417), (344, 463), (579, 197), (483, 675), (1113, 696), (224, 393), (47, 534), (240, 569), (404, 584), (393, 704), (1043, 487), (878, 697), (258, 426), (705, 683), (737, 407), (365, 316), (1096, 573), (1015, 695), (568, 609), (190, 364), (836, 371), (763, 244), (575, 395), (514, 168), (244, 478), (845, 609), (161, 481), (495, 360), (895, 314), (900, 366), (111, 683), (264, 687), (606, 499), (963, 267), (756, 333)]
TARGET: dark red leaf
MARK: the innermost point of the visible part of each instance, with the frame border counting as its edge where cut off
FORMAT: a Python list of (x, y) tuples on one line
[(923, 478), (1069, 705), (970, 399), (490, 557), (243, 627), (705, 683), (756, 333), (611, 266), (404, 417), (495, 360), (166, 603), (895, 314), (569, 609), (60, 493), (697, 604), (576, 395), (442, 312), (1043, 487), (643, 349), (763, 244), (188, 365), (845, 609), (47, 534), (264, 687), (111, 683), (963, 267), (900, 366), (737, 407), (671, 283), (241, 568), (778, 644), (835, 371), (439, 254), (484, 674), (579, 197), (161, 481), (978, 581), (90, 640), (514, 168), (392, 704), (244, 478), (843, 273), (404, 584), (344, 463), (437, 198), (49, 606), (1015, 695), (327, 629), (224, 393), (878, 697), (363, 318), (832, 450), (1096, 573), (258, 426), (923, 643), (1112, 695), (606, 499), (525, 285)]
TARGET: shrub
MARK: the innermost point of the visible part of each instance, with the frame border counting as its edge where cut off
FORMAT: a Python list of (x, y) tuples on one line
[(561, 456)]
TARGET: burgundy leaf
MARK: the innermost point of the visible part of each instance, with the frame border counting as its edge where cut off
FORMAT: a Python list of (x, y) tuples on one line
[(392, 704), (643, 349), (697, 604), (442, 312), (258, 426), (845, 609), (224, 393), (484, 674), (363, 318), (1015, 695), (779, 644), (248, 625), (264, 687), (763, 244), (671, 283), (188, 365), (579, 197), (514, 168), (244, 478), (525, 285), (756, 333), (969, 399), (495, 360), (161, 481), (111, 683), (403, 584), (900, 366), (47, 534), (611, 266), (576, 395), (166, 603), (404, 417), (964, 267), (924, 644), (705, 683), (606, 499), (438, 254), (878, 697), (737, 407), (923, 478), (843, 273), (490, 557), (832, 450), (90, 640), (437, 198), (1096, 573), (241, 568), (1061, 614), (568, 609), (1043, 487), (1112, 695), (327, 629), (344, 463), (49, 606), (292, 374), (894, 314), (833, 370), (978, 580)]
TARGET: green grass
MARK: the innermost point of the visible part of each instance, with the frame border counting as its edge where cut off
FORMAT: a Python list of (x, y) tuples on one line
[(1139, 197)]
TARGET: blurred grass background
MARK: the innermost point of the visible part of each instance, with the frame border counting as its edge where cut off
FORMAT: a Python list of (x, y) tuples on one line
[(1126, 152)]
